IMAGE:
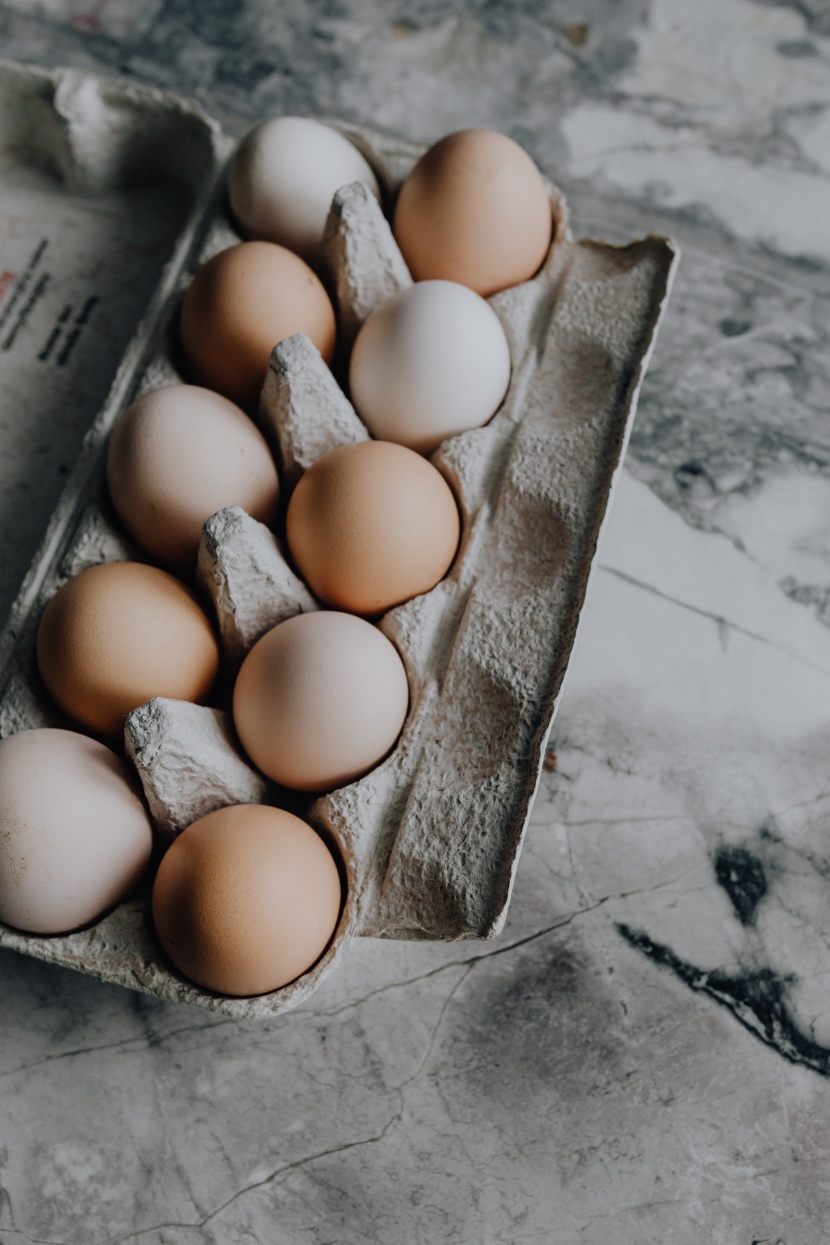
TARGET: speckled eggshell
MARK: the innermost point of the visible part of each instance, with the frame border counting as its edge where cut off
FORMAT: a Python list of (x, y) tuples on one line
[(371, 525), (74, 836), (246, 899), (429, 363), (118, 634), (284, 176), (319, 700), (178, 455), (474, 209), (240, 305)]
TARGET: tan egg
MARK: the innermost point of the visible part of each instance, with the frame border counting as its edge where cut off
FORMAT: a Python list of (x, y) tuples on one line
[(319, 700), (371, 525), (119, 634), (474, 210), (240, 305), (75, 838), (178, 455), (246, 899)]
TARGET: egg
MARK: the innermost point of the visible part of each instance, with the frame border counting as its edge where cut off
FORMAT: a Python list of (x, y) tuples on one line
[(246, 899), (319, 700), (239, 306), (284, 176), (475, 210), (371, 525), (119, 634), (75, 839), (429, 363), (178, 455)]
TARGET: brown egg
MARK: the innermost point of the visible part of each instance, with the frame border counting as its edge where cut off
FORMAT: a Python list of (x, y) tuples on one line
[(319, 700), (474, 210), (240, 305), (119, 634), (176, 456), (246, 899), (371, 525)]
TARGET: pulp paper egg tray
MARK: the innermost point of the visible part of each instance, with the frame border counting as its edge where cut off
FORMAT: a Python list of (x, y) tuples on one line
[(430, 838)]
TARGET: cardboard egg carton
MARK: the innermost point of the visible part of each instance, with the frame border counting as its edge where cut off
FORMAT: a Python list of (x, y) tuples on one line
[(430, 838)]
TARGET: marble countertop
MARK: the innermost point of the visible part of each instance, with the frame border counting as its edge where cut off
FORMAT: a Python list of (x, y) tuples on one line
[(642, 1055)]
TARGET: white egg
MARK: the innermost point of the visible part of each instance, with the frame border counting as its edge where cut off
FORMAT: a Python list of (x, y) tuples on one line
[(284, 176), (431, 362), (75, 838)]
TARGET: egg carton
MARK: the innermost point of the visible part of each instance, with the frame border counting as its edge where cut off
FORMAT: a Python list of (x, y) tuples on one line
[(429, 839)]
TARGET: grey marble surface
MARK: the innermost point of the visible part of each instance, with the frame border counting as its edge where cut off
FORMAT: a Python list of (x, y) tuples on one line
[(642, 1056)]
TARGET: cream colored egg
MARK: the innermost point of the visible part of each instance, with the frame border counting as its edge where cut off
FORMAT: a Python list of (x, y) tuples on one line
[(178, 455), (371, 525), (429, 363), (246, 899), (284, 176), (474, 210), (119, 634), (319, 700), (239, 306), (75, 839)]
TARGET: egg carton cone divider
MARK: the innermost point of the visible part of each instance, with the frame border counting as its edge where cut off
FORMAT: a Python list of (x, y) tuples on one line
[(431, 837)]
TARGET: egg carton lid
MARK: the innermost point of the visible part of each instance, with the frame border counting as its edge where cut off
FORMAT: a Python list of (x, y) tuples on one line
[(431, 837)]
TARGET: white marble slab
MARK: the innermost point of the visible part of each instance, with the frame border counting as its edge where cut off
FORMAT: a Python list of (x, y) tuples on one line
[(568, 1084)]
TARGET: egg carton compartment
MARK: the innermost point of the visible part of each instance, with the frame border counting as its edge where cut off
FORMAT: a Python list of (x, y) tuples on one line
[(430, 838)]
